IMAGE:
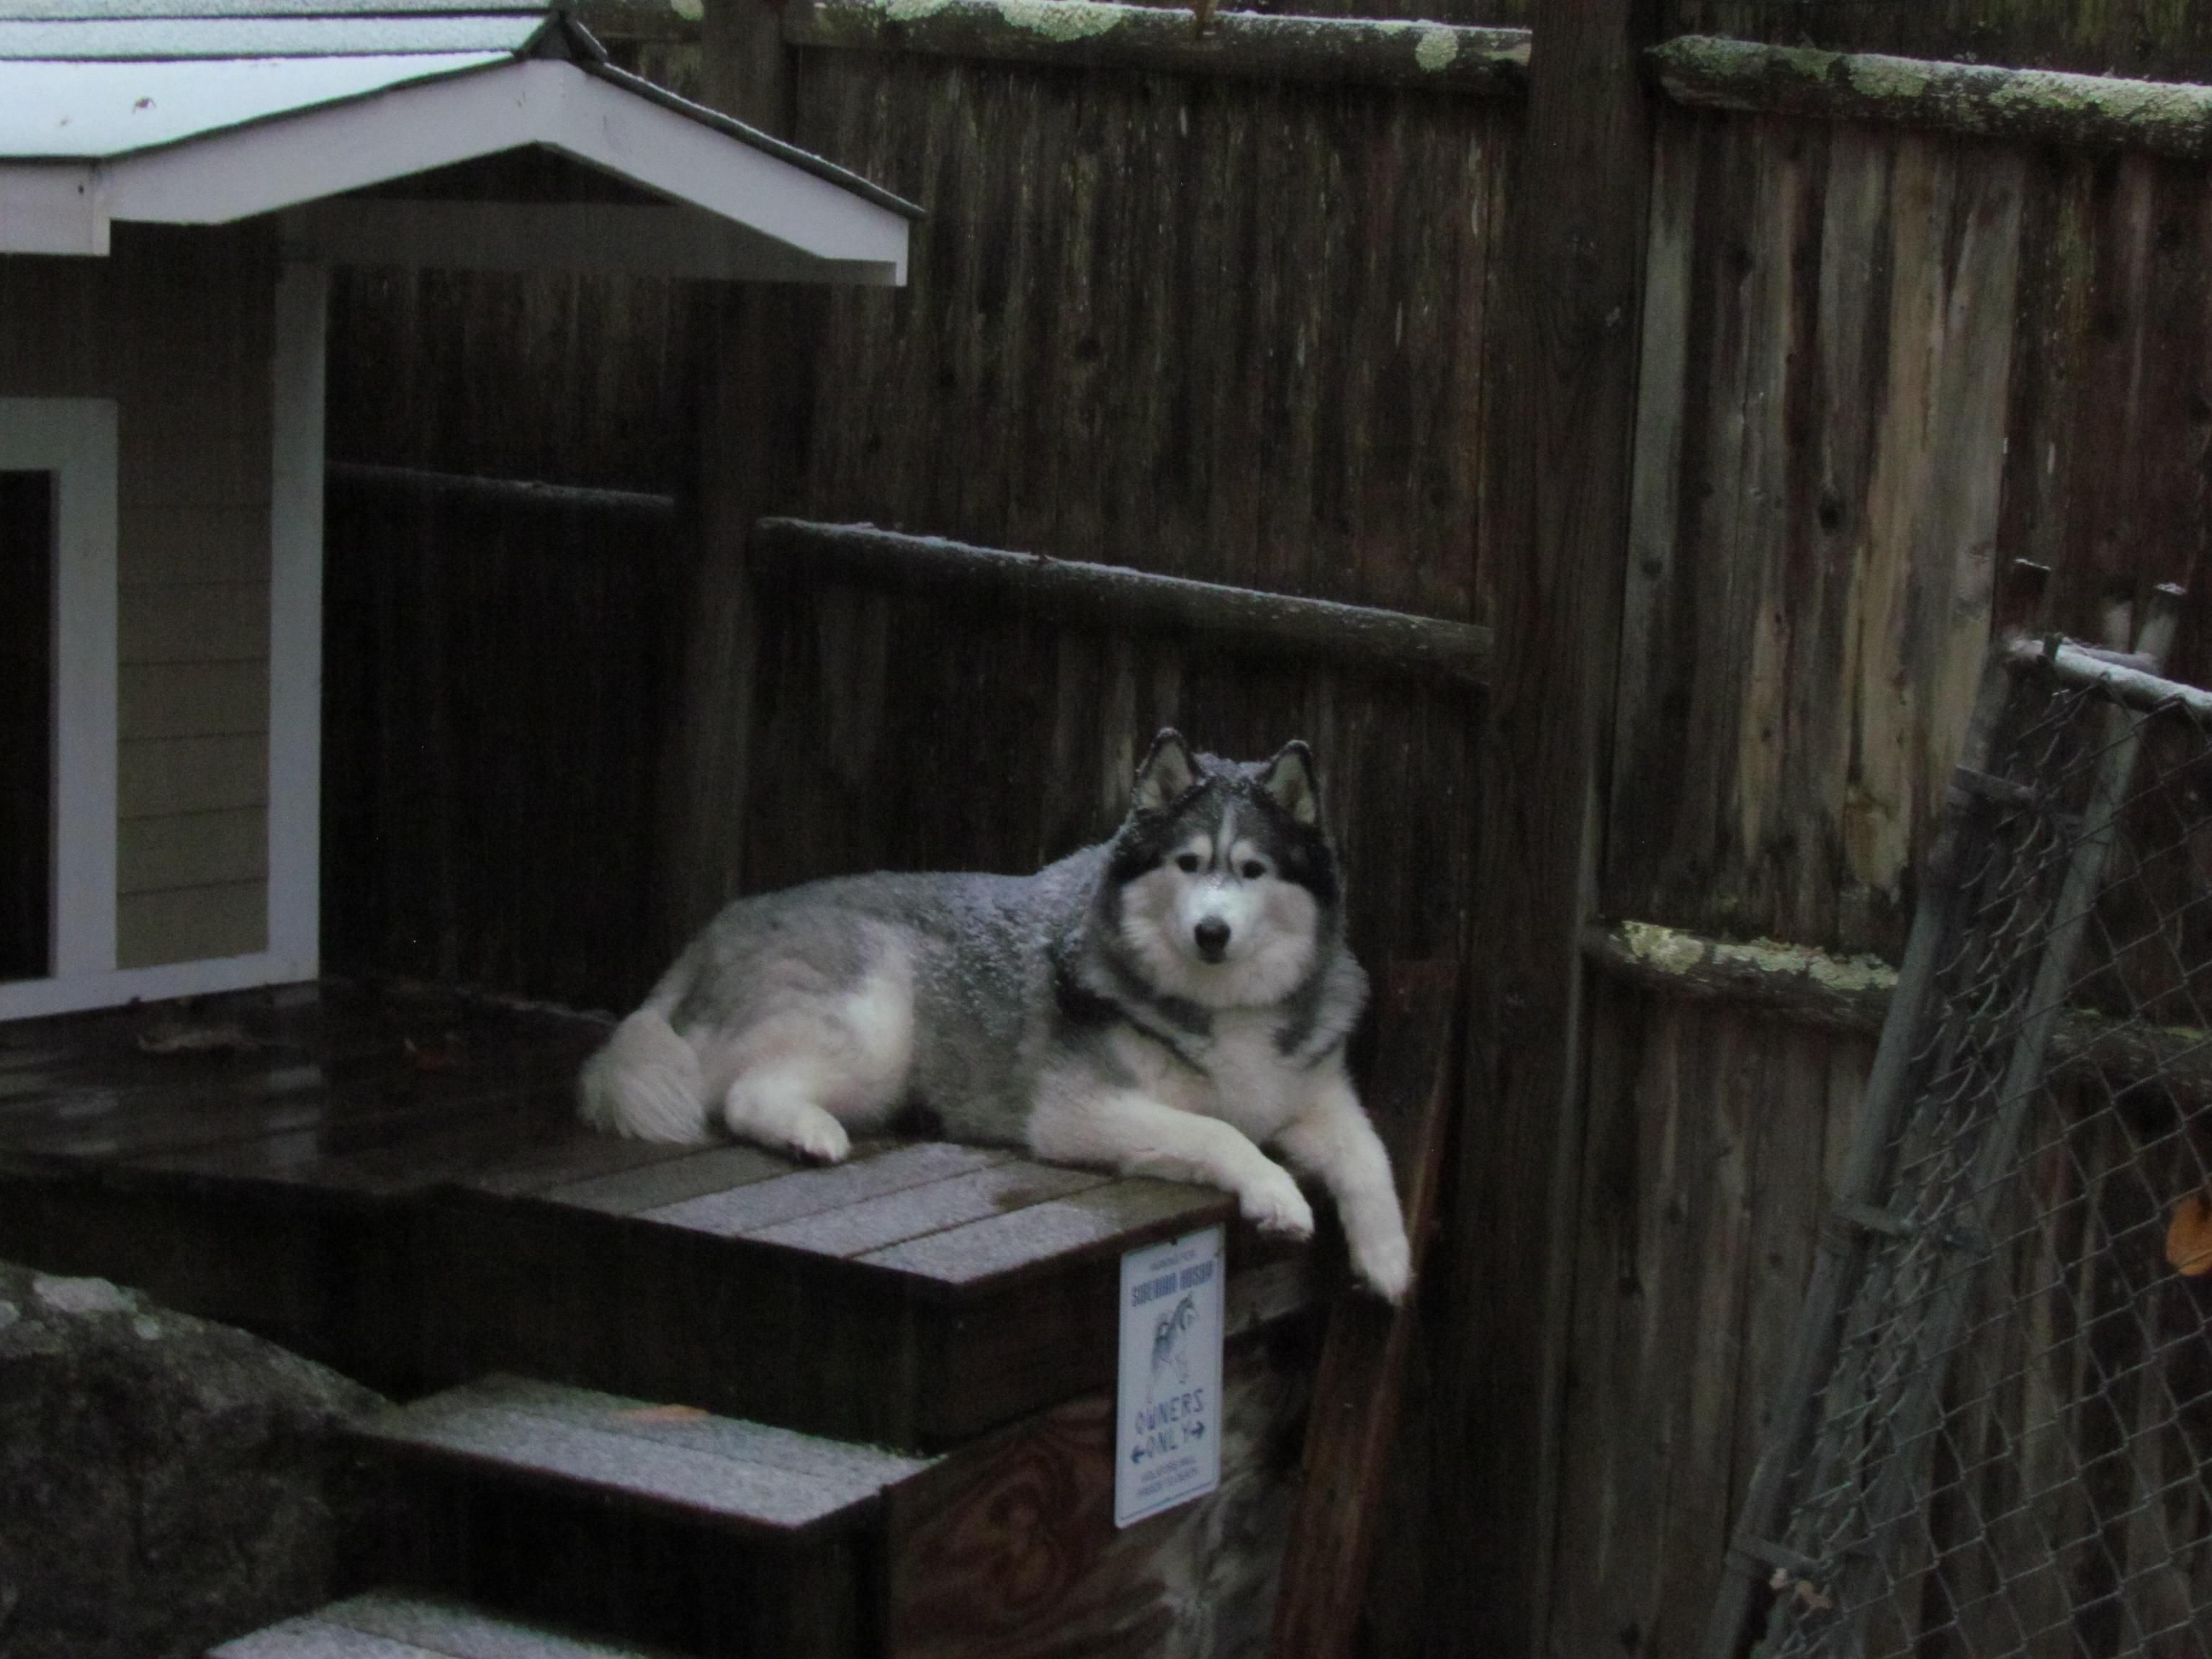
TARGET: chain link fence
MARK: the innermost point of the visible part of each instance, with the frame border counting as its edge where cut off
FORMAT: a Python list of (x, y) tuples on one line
[(1995, 1436)]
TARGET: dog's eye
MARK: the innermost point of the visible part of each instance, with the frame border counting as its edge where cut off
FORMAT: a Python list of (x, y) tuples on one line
[(1187, 862), (1253, 870)]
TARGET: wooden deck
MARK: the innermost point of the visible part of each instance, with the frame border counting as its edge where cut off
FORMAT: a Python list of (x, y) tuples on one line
[(391, 1179)]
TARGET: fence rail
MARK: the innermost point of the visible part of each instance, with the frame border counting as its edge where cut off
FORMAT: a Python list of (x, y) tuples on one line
[(1112, 597)]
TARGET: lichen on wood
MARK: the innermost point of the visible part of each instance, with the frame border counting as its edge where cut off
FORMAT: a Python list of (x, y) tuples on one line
[(1851, 994), (2034, 106), (1097, 33), (1112, 597)]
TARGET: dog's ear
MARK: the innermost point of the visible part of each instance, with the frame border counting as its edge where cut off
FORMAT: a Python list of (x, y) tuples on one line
[(1165, 773), (1290, 779)]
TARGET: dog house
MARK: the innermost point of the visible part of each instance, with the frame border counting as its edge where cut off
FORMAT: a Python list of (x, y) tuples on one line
[(176, 181)]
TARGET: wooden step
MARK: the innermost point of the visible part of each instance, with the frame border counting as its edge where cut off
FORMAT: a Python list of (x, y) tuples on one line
[(678, 1460), (397, 1625), (639, 1520), (914, 1297)]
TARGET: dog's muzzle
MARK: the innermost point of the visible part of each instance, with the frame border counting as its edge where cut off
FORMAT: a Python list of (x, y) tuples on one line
[(1211, 937)]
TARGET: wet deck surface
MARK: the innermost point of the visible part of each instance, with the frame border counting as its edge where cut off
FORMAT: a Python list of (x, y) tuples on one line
[(394, 1177), (391, 1092)]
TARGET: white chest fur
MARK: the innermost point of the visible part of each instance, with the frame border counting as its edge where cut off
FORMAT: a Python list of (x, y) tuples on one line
[(1245, 1079)]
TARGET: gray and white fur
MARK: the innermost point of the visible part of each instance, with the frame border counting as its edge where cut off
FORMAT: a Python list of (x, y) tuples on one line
[(1165, 1003)]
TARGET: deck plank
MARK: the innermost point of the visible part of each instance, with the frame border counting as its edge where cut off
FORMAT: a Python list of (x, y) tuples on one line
[(671, 1181), (282, 1099), (916, 1212), (871, 1173), (1117, 1216), (337, 1025), (580, 1154), (390, 1154)]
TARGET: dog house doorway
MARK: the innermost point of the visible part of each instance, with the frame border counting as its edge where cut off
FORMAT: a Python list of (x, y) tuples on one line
[(26, 723)]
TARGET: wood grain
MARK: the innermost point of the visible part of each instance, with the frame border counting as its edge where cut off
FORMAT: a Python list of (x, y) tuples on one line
[(1355, 1423), (1009, 1549), (1564, 373), (2023, 106), (2171, 42)]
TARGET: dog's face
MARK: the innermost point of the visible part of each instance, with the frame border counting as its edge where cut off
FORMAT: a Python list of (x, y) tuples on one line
[(1224, 876)]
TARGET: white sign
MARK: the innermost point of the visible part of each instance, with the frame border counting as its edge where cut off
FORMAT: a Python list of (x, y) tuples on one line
[(1167, 1449)]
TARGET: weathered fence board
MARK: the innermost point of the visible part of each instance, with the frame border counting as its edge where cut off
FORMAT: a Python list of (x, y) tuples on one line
[(925, 733), (1226, 332), (1709, 1132), (1817, 522)]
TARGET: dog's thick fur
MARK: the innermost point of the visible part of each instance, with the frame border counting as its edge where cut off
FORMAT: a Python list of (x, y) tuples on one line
[(1162, 1004)]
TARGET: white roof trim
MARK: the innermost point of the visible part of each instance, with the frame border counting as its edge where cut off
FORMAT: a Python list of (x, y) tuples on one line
[(598, 237), (67, 208), (92, 111)]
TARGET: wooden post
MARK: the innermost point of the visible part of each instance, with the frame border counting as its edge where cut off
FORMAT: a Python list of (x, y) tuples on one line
[(1563, 378), (755, 381)]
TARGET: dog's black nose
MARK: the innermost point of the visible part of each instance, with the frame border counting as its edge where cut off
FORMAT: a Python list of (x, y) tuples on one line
[(1212, 937)]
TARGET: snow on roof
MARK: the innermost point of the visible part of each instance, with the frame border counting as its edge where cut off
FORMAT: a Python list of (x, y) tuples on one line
[(207, 111), (111, 108)]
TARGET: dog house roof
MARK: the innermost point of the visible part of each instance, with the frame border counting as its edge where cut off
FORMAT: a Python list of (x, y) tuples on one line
[(208, 111)]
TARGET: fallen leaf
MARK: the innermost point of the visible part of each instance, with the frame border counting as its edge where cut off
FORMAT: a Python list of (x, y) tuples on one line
[(180, 1039), (2189, 1235), (661, 1413), (429, 1058)]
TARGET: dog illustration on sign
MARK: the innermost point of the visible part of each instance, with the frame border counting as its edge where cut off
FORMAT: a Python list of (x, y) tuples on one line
[(1171, 1341)]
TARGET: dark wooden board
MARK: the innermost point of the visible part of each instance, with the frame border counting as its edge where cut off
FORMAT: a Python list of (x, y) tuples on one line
[(665, 1583), (1353, 1428), (663, 1181), (1007, 1548), (580, 1154), (305, 1100), (391, 1153)]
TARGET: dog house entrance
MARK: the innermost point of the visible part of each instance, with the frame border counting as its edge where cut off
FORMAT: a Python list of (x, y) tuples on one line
[(26, 723)]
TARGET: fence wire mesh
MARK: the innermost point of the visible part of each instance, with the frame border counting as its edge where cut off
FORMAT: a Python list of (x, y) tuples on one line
[(2010, 1449)]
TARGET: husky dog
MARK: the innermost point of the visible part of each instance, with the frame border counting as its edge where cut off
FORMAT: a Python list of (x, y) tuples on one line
[(1162, 1004)]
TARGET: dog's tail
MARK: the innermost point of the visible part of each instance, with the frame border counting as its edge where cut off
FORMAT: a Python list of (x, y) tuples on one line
[(645, 1082)]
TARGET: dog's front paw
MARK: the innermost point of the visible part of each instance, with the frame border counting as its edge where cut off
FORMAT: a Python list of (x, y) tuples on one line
[(820, 1139), (1274, 1204), (1385, 1265)]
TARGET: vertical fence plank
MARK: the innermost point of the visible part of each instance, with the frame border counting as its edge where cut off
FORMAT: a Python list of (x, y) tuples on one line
[(1564, 379)]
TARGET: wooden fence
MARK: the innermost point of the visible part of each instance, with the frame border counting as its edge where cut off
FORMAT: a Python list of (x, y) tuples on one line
[(1720, 399)]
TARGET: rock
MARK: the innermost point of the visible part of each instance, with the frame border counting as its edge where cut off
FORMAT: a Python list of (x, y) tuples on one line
[(165, 1483)]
